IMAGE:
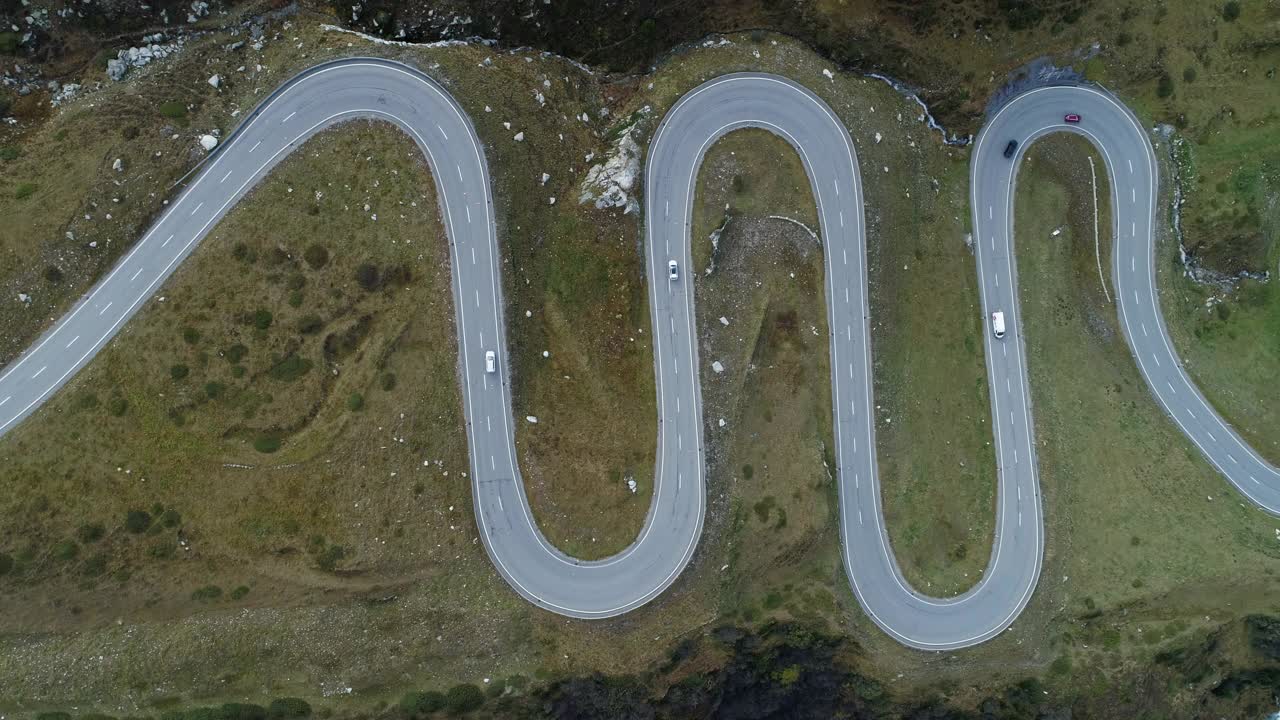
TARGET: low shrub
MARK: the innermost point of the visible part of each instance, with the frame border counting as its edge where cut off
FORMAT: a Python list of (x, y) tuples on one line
[(137, 521)]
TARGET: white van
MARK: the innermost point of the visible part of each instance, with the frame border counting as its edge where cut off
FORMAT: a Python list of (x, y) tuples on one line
[(997, 323), (490, 362)]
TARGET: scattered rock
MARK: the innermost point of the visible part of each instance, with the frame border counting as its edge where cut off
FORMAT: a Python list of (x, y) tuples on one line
[(519, 136), (717, 366), (631, 485), (215, 81), (724, 321), (545, 178), (24, 298), (208, 142), (532, 419), (828, 74), (118, 165), (721, 422), (877, 138)]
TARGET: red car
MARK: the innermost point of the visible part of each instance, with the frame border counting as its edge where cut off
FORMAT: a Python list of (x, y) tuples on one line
[(1072, 118)]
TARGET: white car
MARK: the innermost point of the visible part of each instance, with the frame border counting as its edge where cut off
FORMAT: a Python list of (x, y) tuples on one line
[(673, 270), (490, 362), (997, 323)]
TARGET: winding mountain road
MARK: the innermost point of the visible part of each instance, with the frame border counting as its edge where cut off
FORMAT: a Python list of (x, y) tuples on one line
[(371, 88)]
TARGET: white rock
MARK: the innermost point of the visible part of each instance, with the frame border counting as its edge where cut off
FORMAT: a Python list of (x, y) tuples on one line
[(1056, 232), (721, 422), (215, 81), (488, 109), (828, 74), (208, 142), (553, 201), (531, 419), (545, 178), (23, 297), (118, 165), (877, 138), (546, 353), (519, 136), (724, 321), (528, 313), (506, 125), (631, 485), (717, 366)]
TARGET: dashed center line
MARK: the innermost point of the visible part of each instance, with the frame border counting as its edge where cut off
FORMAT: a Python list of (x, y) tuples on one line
[(255, 146), (73, 342), (287, 118), (38, 372), (135, 275), (224, 177), (193, 212), (442, 132), (104, 309)]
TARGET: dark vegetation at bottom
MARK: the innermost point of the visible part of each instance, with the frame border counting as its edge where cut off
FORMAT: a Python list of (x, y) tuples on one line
[(790, 671)]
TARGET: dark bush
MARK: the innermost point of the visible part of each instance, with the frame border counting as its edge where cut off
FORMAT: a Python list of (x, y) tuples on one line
[(244, 253), (117, 406), (291, 368), (329, 558), (296, 281), (8, 45), (463, 699), (24, 191), (66, 550), (397, 276), (8, 153), (388, 381), (173, 110), (53, 274), (190, 335), (1231, 11), (295, 299), (91, 532), (214, 390), (368, 277), (235, 353), (137, 521), (1264, 635), (1189, 74), (239, 592), (419, 704), (6, 563), (170, 518), (286, 708), (317, 256), (179, 371), (1164, 86), (261, 319), (242, 711), (355, 402), (266, 444), (310, 324), (129, 132)]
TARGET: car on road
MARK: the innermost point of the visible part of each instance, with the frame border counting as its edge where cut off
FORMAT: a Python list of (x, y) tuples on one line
[(490, 362), (673, 270), (1010, 148), (1072, 118), (997, 323)]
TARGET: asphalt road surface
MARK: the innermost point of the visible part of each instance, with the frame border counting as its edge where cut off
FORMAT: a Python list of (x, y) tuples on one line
[(367, 88)]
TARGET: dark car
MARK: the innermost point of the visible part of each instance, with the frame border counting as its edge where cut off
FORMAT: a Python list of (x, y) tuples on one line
[(1072, 118), (1010, 148)]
